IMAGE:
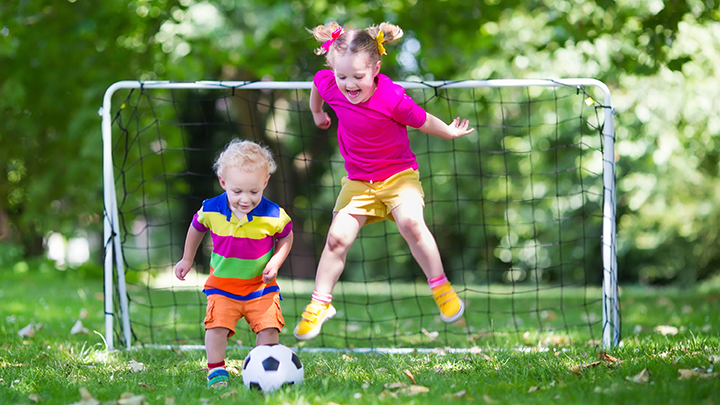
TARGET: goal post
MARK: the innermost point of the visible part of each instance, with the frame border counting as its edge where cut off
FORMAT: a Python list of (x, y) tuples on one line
[(518, 213)]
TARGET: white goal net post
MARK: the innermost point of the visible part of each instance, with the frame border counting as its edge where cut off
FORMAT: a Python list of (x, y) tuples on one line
[(117, 311)]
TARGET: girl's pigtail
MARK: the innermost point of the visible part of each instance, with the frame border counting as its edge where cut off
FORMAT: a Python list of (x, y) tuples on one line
[(325, 34), (385, 32)]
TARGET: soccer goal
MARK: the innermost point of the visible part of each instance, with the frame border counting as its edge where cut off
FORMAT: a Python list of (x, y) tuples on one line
[(523, 210)]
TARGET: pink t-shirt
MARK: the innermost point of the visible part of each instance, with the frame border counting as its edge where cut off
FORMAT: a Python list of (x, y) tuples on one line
[(373, 134)]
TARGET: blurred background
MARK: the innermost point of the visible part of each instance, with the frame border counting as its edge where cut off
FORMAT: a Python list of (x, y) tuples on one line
[(661, 61)]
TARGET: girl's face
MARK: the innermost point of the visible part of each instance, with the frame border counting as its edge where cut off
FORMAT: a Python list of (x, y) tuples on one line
[(354, 78), (244, 189)]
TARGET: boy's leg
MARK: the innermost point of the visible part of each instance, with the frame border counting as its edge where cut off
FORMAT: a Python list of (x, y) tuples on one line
[(268, 336), (410, 220), (343, 231), (215, 346)]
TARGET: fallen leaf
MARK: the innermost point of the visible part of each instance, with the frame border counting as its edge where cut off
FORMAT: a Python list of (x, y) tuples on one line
[(642, 377), (459, 394), (431, 335), (86, 398), (606, 357), (78, 328), (129, 398), (410, 376), (35, 398), (533, 389), (395, 385), (30, 330), (136, 367), (666, 330), (686, 374), (144, 385), (581, 367), (414, 390)]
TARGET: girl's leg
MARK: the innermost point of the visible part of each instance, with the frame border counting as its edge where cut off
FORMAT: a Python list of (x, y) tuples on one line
[(411, 224), (410, 220), (343, 231)]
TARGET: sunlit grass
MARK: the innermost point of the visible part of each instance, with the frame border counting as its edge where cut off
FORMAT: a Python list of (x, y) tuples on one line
[(53, 366)]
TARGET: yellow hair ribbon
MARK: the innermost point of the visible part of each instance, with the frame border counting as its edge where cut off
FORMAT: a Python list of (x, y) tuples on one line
[(380, 38)]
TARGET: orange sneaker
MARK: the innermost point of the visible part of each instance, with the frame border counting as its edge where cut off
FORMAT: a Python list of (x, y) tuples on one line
[(312, 319), (450, 305)]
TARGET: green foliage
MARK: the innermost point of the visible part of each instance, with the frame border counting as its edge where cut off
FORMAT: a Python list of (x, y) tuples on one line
[(659, 58)]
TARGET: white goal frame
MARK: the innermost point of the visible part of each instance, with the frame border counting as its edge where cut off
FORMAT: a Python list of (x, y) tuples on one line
[(111, 238)]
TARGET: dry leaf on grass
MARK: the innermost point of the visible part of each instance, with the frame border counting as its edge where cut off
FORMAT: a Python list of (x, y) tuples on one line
[(145, 385), (606, 357), (395, 385), (459, 394), (129, 398), (136, 367), (78, 328), (533, 389), (688, 374), (642, 377), (35, 398), (30, 330), (431, 335), (666, 330), (414, 390), (577, 370), (86, 398), (410, 376)]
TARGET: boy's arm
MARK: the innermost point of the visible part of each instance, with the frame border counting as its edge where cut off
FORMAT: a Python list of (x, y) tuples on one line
[(192, 242), (321, 118), (434, 126), (282, 250)]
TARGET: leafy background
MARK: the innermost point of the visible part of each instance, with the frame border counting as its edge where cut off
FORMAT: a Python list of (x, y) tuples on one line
[(660, 60)]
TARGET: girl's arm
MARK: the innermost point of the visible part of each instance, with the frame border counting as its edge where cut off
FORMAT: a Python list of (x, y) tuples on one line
[(321, 118), (192, 242), (282, 250), (434, 126)]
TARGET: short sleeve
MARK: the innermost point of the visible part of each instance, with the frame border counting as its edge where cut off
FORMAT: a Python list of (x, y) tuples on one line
[(409, 113), (287, 228), (199, 222)]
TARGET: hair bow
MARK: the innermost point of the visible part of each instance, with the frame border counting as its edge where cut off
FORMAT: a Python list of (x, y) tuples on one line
[(335, 35), (380, 38)]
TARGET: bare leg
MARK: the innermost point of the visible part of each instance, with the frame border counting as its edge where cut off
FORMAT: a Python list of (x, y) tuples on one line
[(343, 231), (411, 224), (268, 336), (216, 344)]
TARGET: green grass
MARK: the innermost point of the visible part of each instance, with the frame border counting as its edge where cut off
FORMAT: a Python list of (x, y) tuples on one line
[(53, 366)]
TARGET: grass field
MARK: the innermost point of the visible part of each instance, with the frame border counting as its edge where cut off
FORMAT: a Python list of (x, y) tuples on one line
[(671, 342)]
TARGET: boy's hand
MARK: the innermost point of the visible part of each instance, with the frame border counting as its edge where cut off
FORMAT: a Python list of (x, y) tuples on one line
[(322, 120), (270, 273), (182, 268)]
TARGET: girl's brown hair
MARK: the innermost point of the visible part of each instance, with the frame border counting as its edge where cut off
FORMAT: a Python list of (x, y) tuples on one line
[(354, 41)]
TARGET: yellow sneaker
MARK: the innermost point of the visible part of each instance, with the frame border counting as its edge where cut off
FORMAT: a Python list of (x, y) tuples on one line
[(450, 305), (312, 319)]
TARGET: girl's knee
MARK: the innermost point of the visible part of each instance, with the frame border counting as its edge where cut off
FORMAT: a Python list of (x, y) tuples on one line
[(338, 242)]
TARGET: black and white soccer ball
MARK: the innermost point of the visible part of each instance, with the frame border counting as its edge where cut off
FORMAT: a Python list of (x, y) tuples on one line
[(269, 367)]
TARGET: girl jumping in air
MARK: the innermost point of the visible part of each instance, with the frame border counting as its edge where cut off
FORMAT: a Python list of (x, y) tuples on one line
[(383, 181)]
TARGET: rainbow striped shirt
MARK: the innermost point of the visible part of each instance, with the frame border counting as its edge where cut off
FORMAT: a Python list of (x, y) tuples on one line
[(241, 248)]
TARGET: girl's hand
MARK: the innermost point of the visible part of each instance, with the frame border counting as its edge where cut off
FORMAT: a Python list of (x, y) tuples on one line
[(460, 128), (322, 120)]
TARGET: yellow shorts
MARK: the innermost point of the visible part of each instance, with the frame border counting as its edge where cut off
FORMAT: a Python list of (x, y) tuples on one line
[(260, 313), (377, 199)]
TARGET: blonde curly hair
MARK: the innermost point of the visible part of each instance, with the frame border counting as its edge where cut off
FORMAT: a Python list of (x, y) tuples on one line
[(245, 155), (356, 41)]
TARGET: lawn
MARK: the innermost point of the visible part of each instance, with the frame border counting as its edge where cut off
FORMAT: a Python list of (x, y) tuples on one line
[(671, 340)]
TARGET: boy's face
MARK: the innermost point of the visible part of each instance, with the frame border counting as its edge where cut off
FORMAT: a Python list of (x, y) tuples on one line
[(354, 78), (244, 189)]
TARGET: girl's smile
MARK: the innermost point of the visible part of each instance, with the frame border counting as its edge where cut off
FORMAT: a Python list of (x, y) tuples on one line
[(354, 78)]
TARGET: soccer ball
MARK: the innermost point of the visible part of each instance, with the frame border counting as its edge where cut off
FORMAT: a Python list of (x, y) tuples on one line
[(269, 367)]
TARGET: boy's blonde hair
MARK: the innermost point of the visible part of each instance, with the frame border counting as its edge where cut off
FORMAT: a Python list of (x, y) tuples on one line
[(245, 155), (354, 41)]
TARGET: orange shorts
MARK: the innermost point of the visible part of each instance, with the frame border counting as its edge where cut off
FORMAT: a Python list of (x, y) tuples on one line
[(377, 199), (260, 313)]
